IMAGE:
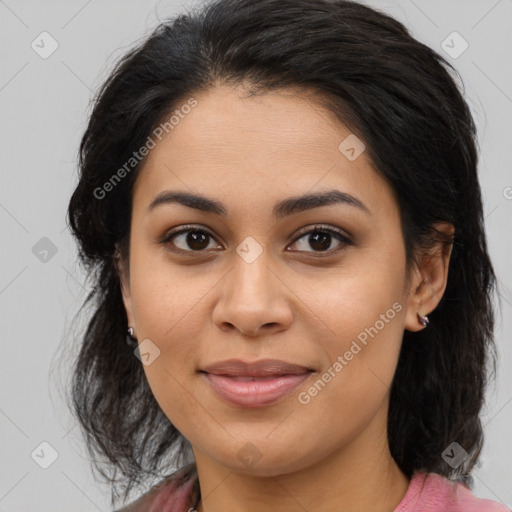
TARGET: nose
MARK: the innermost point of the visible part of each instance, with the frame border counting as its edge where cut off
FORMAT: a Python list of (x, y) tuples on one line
[(253, 300)]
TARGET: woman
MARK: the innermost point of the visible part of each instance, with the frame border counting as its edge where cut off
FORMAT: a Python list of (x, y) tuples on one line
[(293, 305)]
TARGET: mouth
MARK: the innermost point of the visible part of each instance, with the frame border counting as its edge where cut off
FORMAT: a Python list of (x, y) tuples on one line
[(247, 391)]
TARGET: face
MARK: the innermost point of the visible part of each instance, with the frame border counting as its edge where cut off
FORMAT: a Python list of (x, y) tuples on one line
[(254, 281)]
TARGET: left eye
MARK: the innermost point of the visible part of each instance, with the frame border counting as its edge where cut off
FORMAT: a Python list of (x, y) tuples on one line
[(320, 239)]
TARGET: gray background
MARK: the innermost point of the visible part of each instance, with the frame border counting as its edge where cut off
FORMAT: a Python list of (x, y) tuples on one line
[(44, 107)]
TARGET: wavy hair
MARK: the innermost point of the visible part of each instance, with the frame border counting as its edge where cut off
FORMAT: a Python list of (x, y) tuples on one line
[(402, 99)]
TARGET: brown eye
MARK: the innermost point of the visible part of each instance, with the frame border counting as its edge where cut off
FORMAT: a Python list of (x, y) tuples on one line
[(189, 240), (320, 239)]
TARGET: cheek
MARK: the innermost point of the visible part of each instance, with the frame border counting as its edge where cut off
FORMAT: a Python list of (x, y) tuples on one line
[(361, 316), (169, 312), (164, 295), (365, 317)]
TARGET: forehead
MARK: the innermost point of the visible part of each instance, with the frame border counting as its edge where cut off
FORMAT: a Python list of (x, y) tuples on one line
[(257, 148), (267, 124)]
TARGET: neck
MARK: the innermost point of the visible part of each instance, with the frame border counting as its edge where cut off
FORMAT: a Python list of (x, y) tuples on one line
[(359, 476)]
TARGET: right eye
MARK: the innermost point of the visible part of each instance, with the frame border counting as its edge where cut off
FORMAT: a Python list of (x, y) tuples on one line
[(188, 239)]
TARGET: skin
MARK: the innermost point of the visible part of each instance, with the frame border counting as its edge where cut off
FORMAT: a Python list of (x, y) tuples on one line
[(203, 307)]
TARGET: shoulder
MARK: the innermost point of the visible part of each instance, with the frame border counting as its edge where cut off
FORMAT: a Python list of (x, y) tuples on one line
[(430, 492), (178, 492)]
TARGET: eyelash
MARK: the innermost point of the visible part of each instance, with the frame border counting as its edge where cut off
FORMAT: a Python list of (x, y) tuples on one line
[(339, 235)]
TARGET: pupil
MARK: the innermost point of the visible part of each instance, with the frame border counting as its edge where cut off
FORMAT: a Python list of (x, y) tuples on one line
[(197, 240), (317, 240)]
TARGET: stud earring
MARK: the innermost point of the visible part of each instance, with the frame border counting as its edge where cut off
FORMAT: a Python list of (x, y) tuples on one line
[(423, 320), (131, 340)]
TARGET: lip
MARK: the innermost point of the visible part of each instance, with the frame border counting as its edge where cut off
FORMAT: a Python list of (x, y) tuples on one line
[(254, 384), (262, 368), (256, 393)]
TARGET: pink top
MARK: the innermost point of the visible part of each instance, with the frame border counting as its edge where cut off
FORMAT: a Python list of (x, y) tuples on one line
[(427, 492)]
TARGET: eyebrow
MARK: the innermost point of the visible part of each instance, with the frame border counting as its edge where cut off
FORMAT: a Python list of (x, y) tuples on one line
[(281, 209)]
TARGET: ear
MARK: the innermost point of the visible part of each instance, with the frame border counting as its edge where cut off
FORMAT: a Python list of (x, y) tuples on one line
[(124, 280), (428, 280)]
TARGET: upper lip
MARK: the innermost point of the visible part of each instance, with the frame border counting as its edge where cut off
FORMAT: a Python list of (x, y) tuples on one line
[(262, 368)]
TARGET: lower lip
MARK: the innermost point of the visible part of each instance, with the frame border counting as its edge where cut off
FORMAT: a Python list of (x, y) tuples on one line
[(256, 393)]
